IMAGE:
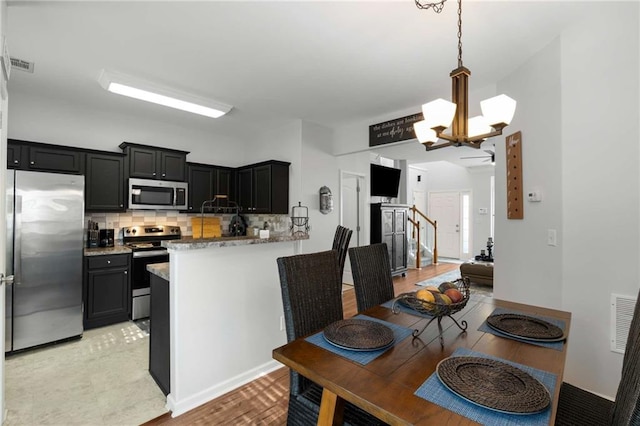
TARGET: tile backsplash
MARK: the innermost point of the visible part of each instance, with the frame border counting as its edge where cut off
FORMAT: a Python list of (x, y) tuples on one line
[(117, 221)]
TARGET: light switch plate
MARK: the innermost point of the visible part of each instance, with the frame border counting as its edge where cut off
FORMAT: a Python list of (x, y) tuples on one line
[(552, 238)]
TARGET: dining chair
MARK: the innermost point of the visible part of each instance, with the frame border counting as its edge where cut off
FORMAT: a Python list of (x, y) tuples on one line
[(579, 407), (341, 240), (371, 271), (312, 299)]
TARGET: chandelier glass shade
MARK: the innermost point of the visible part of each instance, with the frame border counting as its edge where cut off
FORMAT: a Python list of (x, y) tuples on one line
[(450, 121)]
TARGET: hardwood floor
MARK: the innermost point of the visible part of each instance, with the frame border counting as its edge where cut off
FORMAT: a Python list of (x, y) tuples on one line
[(264, 401)]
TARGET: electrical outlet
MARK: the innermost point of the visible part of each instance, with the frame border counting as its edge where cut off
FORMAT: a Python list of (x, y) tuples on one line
[(281, 322), (552, 237)]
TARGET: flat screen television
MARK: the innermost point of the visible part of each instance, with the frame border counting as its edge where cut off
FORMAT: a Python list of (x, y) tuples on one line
[(384, 181)]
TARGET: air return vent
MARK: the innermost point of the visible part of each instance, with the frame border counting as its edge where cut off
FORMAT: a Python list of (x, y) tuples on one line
[(22, 65), (621, 315)]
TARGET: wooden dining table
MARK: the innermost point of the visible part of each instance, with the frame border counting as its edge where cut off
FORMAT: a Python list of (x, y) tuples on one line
[(386, 386)]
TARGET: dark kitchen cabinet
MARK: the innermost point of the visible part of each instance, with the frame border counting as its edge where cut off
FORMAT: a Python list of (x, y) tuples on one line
[(389, 225), (225, 185), (264, 187), (106, 290), (159, 336), (201, 179), (149, 162), (205, 182), (41, 157), (17, 155), (104, 182)]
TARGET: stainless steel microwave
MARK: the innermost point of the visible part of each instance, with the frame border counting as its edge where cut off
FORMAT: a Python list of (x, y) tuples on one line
[(148, 194)]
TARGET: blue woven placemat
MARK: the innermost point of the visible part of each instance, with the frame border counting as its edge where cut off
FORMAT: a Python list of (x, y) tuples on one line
[(434, 391), (553, 345), (361, 357)]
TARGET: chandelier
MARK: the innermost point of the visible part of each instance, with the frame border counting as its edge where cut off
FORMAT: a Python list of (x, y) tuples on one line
[(440, 115)]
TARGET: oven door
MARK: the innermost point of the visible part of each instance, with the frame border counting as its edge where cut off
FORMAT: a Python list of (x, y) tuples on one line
[(140, 280)]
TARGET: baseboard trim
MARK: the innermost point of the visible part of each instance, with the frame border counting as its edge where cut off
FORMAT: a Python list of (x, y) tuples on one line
[(180, 407)]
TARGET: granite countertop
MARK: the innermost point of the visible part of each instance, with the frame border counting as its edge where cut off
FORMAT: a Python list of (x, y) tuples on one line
[(159, 269), (101, 251), (199, 243)]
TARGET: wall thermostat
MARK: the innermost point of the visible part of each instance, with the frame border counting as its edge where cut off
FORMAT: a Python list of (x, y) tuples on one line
[(534, 196)]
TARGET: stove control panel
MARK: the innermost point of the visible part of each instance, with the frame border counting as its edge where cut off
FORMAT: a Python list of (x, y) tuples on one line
[(151, 231)]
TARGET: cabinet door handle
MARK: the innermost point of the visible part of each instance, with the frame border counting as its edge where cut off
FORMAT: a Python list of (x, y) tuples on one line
[(33, 162), (164, 174), (126, 272), (154, 173), (108, 261), (121, 205), (15, 162)]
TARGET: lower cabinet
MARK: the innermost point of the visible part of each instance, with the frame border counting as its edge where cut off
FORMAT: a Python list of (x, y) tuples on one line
[(106, 290), (159, 344)]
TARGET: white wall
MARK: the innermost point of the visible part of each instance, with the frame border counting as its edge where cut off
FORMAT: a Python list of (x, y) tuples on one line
[(319, 168), (41, 119), (600, 185), (578, 112), (525, 257)]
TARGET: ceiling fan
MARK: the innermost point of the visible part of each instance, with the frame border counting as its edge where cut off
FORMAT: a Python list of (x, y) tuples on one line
[(491, 157)]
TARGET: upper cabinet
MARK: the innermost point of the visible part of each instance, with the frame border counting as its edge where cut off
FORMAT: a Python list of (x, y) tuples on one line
[(104, 182), (148, 162), (207, 181), (43, 157), (264, 187)]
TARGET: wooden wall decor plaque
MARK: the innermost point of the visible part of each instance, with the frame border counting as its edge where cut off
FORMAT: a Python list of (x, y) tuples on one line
[(515, 207)]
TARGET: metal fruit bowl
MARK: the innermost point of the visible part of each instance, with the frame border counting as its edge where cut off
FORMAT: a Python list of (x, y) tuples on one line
[(437, 309)]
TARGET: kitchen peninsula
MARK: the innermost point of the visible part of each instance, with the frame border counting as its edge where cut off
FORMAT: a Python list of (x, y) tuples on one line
[(225, 313)]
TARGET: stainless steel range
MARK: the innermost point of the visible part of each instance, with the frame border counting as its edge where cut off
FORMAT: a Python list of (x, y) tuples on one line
[(145, 242)]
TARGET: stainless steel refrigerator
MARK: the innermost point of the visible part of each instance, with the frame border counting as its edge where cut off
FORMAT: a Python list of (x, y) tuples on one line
[(45, 229)]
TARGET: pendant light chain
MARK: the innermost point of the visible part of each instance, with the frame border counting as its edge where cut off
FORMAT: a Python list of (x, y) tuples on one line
[(459, 33)]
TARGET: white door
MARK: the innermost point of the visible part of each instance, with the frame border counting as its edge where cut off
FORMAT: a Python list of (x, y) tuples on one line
[(444, 208), (352, 197)]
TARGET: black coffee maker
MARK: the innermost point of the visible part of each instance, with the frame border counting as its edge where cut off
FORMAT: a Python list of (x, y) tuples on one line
[(106, 237)]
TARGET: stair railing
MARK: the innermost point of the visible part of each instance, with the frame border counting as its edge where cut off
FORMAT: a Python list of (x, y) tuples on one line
[(416, 226)]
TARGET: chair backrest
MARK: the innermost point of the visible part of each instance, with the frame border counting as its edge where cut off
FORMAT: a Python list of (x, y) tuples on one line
[(311, 297), (626, 408), (371, 271), (341, 244)]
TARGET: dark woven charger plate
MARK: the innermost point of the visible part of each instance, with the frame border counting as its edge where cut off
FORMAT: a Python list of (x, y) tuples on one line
[(493, 384), (359, 334), (525, 327)]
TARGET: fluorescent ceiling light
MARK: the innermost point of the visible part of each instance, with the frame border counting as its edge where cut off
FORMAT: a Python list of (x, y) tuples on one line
[(138, 89)]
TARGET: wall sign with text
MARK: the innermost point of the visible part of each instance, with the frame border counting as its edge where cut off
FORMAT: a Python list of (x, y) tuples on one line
[(399, 129)]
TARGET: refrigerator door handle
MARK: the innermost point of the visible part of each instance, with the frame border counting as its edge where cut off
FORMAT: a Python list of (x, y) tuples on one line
[(17, 249), (8, 279)]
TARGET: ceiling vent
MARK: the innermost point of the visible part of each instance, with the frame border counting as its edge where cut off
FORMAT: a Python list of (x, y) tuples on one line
[(22, 65), (622, 308)]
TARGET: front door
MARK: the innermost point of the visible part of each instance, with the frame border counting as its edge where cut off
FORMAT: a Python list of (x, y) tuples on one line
[(444, 207)]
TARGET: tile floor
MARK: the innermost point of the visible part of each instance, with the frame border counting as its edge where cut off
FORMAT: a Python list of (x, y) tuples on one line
[(101, 379)]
